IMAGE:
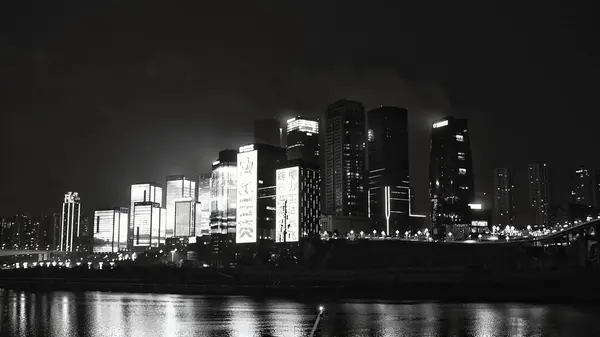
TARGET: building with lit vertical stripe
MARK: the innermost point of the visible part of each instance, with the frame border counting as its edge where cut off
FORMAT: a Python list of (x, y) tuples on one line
[(110, 230), (388, 181), (203, 205), (70, 222), (179, 188), (451, 183), (148, 224), (143, 192)]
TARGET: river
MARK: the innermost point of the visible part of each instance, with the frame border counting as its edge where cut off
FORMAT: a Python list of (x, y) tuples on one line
[(95, 314)]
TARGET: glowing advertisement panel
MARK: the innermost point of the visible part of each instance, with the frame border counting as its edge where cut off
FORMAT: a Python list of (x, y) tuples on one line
[(287, 205), (479, 223), (247, 196)]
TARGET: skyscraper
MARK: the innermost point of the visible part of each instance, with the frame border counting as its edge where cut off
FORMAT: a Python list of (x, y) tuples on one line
[(70, 222), (303, 139), (539, 192), (143, 192), (203, 205), (451, 184), (582, 186), (344, 162), (389, 186), (223, 194), (503, 197), (148, 224), (267, 131), (110, 230), (179, 188), (256, 191)]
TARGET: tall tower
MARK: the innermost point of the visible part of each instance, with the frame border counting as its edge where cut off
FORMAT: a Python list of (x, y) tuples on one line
[(223, 194), (451, 184), (539, 192), (143, 192), (110, 230), (303, 139), (181, 195), (582, 186), (389, 185), (503, 197), (203, 210), (70, 219), (344, 167)]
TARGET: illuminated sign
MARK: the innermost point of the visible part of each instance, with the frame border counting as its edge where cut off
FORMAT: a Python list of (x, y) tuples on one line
[(246, 148), (304, 125), (287, 215), (479, 223), (475, 206), (247, 196), (440, 124)]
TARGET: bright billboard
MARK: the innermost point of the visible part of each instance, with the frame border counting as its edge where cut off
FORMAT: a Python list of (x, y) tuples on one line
[(247, 196), (287, 205)]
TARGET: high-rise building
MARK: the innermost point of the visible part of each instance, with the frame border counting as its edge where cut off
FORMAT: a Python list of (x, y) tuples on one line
[(582, 186), (344, 164), (539, 192), (149, 224), (256, 189), (143, 192), (223, 194), (388, 181), (451, 183), (203, 205), (70, 222), (297, 202), (110, 230), (185, 217), (179, 188), (267, 131), (504, 209), (303, 139)]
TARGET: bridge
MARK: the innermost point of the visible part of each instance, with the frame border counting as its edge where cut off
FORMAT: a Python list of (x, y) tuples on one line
[(43, 255)]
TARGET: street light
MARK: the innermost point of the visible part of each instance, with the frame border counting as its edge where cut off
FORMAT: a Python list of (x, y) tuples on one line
[(173, 255)]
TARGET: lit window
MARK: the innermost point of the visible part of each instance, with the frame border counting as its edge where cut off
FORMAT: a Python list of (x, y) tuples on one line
[(459, 138), (462, 171)]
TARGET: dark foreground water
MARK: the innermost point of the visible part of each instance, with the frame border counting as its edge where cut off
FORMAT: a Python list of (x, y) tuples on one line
[(64, 314)]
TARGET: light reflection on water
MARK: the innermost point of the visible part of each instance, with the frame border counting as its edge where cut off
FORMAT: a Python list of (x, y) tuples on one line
[(97, 314)]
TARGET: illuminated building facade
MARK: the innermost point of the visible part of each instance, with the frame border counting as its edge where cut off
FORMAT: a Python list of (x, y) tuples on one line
[(185, 217), (344, 164), (504, 208), (70, 222), (142, 192), (451, 184), (388, 182), (256, 166), (539, 192), (179, 188), (110, 230), (148, 224), (582, 186), (267, 131), (303, 139), (203, 205), (297, 202), (223, 194)]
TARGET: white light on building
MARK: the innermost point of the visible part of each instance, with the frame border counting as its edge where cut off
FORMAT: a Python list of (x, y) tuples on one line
[(110, 230), (178, 188), (247, 196), (440, 124), (148, 224), (287, 204), (70, 221)]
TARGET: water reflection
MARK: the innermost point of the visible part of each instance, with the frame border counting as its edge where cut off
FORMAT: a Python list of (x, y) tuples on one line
[(97, 314)]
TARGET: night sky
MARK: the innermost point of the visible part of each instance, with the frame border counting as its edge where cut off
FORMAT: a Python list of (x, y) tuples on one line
[(94, 97)]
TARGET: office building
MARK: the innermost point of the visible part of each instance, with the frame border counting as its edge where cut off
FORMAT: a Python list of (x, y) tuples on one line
[(223, 194), (451, 184), (297, 202), (179, 188), (344, 160), (582, 186), (504, 209), (148, 224), (256, 190), (143, 192), (539, 193), (185, 217), (267, 131), (70, 222), (110, 228), (303, 139), (203, 205), (388, 180)]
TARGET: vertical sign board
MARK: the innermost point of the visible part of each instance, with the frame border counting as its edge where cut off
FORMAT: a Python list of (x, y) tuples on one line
[(247, 196), (287, 214)]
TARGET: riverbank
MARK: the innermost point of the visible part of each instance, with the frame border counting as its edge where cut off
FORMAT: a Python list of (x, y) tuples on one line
[(561, 286)]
